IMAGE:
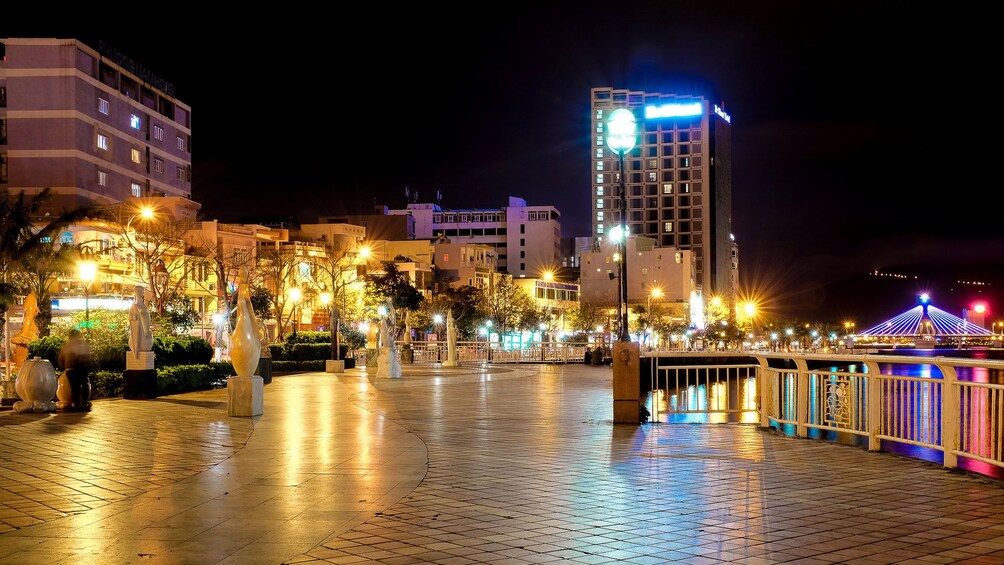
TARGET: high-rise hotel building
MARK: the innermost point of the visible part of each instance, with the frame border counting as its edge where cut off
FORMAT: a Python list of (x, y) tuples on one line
[(679, 182), (92, 125)]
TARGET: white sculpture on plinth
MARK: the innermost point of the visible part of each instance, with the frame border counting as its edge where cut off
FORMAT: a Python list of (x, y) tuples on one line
[(140, 334), (245, 392), (388, 365), (451, 341)]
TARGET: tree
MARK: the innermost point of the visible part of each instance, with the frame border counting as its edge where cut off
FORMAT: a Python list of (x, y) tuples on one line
[(586, 317), (509, 307), (20, 236), (393, 285), (157, 244), (277, 271), (466, 304), (40, 269)]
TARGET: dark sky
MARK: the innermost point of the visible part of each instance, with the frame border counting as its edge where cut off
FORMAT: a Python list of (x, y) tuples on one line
[(858, 127)]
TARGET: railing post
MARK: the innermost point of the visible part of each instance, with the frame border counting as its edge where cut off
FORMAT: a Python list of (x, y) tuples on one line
[(764, 389), (802, 402), (950, 409), (874, 405)]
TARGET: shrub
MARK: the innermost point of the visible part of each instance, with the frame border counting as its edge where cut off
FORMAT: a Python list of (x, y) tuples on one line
[(110, 357), (47, 348), (185, 378), (309, 337), (106, 384), (183, 350)]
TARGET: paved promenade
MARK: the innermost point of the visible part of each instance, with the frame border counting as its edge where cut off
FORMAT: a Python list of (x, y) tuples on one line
[(471, 465)]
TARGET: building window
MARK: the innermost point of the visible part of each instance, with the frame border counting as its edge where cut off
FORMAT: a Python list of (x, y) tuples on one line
[(684, 187), (522, 266), (522, 241), (181, 143), (684, 161), (137, 190), (667, 227), (137, 157), (181, 173), (599, 140), (522, 228), (599, 179), (599, 127), (103, 141), (158, 133), (653, 176), (3, 131), (158, 165), (446, 257), (102, 178), (599, 228), (599, 202), (599, 114), (599, 216), (522, 254), (667, 188), (599, 191), (3, 168), (103, 106), (653, 163), (135, 122), (599, 165), (599, 153)]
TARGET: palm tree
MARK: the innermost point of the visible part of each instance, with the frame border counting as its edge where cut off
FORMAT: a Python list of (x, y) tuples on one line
[(21, 236)]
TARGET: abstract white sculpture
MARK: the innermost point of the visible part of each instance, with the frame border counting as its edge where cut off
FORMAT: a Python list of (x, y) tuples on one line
[(388, 365), (245, 392), (451, 341), (140, 334), (36, 385), (245, 342)]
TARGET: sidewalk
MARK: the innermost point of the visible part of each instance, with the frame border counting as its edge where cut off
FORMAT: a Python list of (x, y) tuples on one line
[(513, 464)]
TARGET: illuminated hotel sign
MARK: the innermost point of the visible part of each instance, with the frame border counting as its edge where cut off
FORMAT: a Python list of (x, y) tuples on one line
[(673, 110), (721, 113)]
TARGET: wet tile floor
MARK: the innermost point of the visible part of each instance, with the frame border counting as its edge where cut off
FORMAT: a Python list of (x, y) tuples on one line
[(516, 464)]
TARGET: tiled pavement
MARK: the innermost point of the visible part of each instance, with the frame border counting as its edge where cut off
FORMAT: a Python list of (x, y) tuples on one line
[(504, 465)]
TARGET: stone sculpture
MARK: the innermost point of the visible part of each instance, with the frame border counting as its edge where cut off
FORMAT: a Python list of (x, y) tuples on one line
[(451, 341), (140, 333), (245, 341), (29, 330), (388, 364), (245, 392), (35, 384)]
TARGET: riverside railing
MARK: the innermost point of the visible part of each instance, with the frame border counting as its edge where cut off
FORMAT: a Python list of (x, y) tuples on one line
[(957, 417), (425, 352), (904, 399)]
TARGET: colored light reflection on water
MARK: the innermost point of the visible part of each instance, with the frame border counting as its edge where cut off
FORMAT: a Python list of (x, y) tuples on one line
[(922, 411), (732, 400)]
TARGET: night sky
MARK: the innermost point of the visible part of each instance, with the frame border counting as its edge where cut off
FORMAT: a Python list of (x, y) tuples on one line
[(858, 127)]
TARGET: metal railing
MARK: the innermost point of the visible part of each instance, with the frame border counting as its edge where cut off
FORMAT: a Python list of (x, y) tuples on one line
[(428, 352), (703, 389), (958, 418)]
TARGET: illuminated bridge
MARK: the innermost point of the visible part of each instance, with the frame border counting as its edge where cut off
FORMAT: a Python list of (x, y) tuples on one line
[(925, 320)]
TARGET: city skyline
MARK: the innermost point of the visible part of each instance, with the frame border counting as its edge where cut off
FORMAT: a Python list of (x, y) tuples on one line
[(843, 162)]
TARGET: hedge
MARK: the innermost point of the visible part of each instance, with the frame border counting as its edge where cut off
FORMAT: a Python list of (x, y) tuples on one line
[(305, 351), (297, 366), (185, 378), (168, 351)]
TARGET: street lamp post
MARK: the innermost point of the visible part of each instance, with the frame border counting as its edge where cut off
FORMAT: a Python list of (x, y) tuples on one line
[(294, 295), (621, 138), (88, 271)]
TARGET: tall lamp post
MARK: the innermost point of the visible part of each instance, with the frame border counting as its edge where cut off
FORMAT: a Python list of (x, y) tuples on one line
[(88, 271), (294, 295), (621, 138)]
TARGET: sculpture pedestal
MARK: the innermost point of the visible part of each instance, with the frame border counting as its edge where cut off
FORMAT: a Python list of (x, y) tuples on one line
[(139, 381), (627, 383), (387, 364), (407, 354), (333, 366), (245, 396), (449, 363), (371, 360)]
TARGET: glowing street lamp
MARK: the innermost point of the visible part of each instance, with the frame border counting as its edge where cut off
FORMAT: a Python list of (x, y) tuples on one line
[(622, 130), (88, 272)]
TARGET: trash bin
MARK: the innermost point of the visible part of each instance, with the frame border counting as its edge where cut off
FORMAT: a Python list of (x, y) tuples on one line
[(264, 369)]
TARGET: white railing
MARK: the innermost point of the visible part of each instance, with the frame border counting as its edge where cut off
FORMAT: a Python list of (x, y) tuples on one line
[(958, 418), (481, 352)]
